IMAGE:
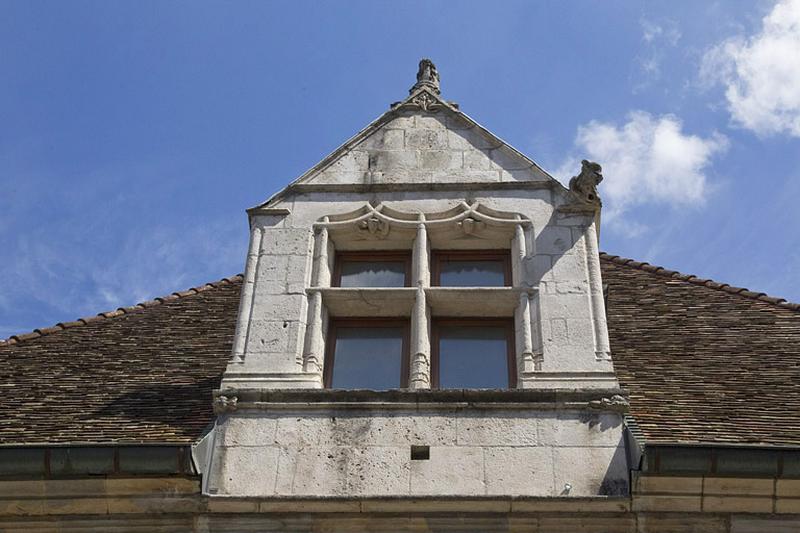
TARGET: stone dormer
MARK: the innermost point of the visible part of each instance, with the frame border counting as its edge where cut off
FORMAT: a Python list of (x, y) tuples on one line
[(424, 177), (422, 315)]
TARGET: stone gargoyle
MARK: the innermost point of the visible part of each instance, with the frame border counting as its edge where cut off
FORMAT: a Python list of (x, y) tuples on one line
[(585, 184)]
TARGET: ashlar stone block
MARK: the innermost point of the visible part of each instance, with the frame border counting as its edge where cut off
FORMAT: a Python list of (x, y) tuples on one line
[(441, 160), (248, 430), (523, 471), (379, 471), (581, 428), (249, 471), (554, 240), (453, 470), (498, 430), (384, 139), (393, 161), (286, 241), (422, 139), (316, 471), (269, 336), (585, 471)]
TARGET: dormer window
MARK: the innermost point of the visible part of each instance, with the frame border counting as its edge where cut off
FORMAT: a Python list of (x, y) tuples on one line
[(372, 269), (367, 354), (471, 268), (473, 353), (391, 289)]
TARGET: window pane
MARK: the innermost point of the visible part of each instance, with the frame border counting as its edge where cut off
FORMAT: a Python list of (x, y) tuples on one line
[(473, 357), (368, 358), (373, 274), (472, 273)]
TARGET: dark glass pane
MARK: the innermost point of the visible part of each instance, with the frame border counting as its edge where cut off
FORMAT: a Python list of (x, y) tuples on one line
[(368, 358), (472, 273), (473, 357), (373, 274)]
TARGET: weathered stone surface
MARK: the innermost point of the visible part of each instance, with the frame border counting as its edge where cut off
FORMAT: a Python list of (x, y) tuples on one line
[(581, 428), (519, 471), (248, 470), (498, 430), (590, 471), (248, 429), (451, 470)]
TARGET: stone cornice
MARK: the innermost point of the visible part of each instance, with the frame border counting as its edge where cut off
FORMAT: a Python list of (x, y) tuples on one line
[(424, 187)]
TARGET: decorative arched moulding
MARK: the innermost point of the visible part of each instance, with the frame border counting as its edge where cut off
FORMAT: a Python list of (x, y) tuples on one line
[(462, 226)]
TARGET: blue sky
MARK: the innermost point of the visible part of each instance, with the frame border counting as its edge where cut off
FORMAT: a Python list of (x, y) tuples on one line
[(134, 134)]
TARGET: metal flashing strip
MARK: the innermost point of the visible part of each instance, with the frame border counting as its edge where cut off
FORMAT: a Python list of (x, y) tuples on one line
[(722, 460), (60, 460)]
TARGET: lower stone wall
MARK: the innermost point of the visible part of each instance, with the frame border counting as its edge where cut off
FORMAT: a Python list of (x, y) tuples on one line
[(461, 451)]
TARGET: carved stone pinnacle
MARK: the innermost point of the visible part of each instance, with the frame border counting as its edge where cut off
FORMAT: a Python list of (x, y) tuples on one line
[(427, 76)]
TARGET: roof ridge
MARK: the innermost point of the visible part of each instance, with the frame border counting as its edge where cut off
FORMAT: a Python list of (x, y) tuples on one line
[(691, 278), (61, 326)]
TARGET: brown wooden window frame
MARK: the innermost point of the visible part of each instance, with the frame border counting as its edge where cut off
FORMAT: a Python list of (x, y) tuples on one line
[(506, 323), (440, 256), (371, 257), (330, 345)]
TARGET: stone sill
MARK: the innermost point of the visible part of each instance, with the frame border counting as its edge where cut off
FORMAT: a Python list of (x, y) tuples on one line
[(419, 399)]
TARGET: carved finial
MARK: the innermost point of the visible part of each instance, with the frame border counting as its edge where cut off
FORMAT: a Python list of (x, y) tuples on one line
[(585, 184), (427, 76)]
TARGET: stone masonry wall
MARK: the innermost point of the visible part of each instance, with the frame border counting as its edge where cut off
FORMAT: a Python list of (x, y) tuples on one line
[(473, 452)]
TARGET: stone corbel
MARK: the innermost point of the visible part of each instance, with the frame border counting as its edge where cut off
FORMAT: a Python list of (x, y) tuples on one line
[(225, 404), (616, 403)]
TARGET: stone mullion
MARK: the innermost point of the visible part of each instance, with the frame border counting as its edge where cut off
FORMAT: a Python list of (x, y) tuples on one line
[(525, 363), (322, 270), (313, 358), (420, 368), (313, 353)]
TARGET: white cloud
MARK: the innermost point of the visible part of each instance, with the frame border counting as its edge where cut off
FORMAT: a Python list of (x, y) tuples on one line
[(667, 31), (657, 37), (646, 160), (761, 73)]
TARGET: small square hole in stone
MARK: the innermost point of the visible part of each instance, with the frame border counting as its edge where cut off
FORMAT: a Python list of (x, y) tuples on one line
[(420, 453)]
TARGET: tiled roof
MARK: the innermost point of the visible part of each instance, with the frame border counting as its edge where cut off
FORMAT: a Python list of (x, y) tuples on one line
[(139, 374), (704, 362)]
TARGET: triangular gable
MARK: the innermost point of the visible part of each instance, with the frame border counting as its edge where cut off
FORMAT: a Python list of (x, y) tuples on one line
[(420, 140)]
